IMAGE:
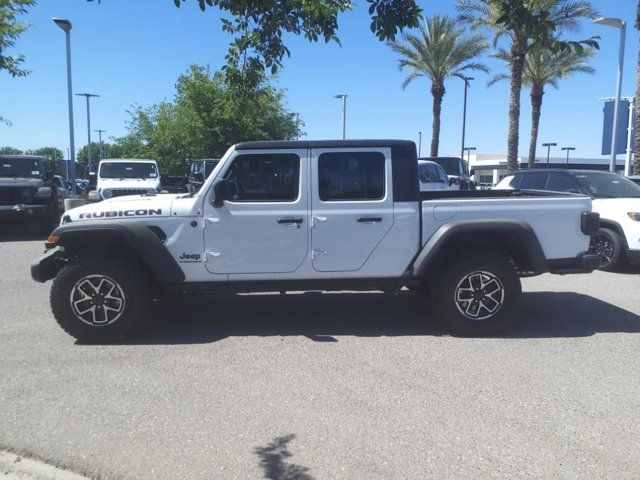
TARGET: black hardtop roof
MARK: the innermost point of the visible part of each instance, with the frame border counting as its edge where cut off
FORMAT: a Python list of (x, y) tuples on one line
[(23, 157), (433, 159), (297, 144)]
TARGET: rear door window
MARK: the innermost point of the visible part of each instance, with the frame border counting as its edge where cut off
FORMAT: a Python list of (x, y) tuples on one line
[(351, 176), (533, 181), (562, 183)]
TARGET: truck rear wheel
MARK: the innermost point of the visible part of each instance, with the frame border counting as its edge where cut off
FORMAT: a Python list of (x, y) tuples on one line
[(99, 300), (475, 294)]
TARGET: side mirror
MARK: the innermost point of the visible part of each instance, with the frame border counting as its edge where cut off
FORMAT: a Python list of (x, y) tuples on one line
[(472, 171), (221, 192)]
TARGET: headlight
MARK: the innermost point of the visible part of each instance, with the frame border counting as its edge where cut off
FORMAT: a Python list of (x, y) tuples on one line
[(43, 192), (106, 193), (634, 216)]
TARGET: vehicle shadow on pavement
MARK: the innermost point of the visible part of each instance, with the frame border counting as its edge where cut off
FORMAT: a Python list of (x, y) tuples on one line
[(274, 460), (321, 317), (19, 232)]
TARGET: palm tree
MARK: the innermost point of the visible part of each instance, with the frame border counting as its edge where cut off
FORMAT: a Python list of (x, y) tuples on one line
[(544, 67), (440, 50), (636, 149), (527, 24)]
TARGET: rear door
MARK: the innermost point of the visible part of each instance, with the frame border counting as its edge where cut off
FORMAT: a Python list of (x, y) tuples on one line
[(351, 205)]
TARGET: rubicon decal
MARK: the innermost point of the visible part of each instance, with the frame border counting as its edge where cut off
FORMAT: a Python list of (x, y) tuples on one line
[(143, 212)]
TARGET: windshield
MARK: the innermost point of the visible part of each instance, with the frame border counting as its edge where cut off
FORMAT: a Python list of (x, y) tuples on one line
[(20, 167), (450, 165), (209, 166), (127, 170), (608, 185)]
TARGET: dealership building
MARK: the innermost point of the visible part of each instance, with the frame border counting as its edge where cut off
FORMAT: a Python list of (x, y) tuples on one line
[(490, 168)]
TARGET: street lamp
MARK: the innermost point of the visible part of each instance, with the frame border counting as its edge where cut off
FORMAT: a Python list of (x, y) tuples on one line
[(419, 144), (464, 112), (88, 96), (468, 150), (568, 149), (548, 145), (100, 132), (622, 26), (65, 25), (344, 113)]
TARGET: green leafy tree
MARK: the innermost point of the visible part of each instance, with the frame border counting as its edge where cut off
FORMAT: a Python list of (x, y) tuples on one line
[(258, 27), (52, 156), (10, 30), (527, 24), (208, 114), (109, 150), (441, 50), (10, 151), (545, 67)]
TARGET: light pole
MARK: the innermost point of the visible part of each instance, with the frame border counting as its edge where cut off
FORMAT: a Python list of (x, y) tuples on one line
[(464, 112), (88, 96), (419, 144), (548, 145), (568, 149), (65, 25), (468, 150), (622, 26), (100, 132), (344, 113)]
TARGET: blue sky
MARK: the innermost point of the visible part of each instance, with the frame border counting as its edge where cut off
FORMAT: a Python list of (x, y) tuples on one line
[(131, 52)]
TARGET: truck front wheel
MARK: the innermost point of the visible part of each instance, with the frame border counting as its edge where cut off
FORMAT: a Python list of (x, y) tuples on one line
[(475, 294), (99, 300)]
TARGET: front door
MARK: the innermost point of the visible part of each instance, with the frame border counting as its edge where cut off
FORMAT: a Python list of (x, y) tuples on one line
[(351, 207), (264, 227)]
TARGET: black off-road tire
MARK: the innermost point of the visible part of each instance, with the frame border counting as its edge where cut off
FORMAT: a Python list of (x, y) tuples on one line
[(48, 221), (489, 280), (610, 246), (133, 287)]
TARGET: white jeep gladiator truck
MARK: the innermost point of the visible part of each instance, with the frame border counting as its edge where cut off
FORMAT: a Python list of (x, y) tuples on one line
[(120, 177), (312, 215)]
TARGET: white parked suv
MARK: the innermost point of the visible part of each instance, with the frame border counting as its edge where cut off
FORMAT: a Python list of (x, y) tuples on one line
[(432, 177), (615, 198), (119, 177), (312, 215)]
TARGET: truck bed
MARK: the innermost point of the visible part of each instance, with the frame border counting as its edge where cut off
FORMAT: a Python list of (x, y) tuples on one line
[(554, 217)]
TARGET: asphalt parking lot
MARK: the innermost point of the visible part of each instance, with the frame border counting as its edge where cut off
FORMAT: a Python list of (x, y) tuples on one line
[(327, 386)]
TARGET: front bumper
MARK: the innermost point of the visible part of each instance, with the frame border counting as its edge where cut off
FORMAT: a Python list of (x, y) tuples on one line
[(47, 266), (583, 263), (21, 211), (633, 256)]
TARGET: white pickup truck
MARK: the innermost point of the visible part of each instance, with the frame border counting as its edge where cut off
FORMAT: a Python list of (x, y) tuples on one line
[(312, 215)]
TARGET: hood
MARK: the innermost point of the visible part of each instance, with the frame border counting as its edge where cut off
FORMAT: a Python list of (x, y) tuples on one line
[(20, 182), (616, 203), (134, 183), (133, 207)]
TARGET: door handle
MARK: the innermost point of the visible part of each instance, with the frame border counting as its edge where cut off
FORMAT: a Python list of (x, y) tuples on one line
[(369, 219), (290, 221)]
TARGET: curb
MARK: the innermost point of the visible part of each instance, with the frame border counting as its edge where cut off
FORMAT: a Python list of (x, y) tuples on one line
[(16, 467)]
